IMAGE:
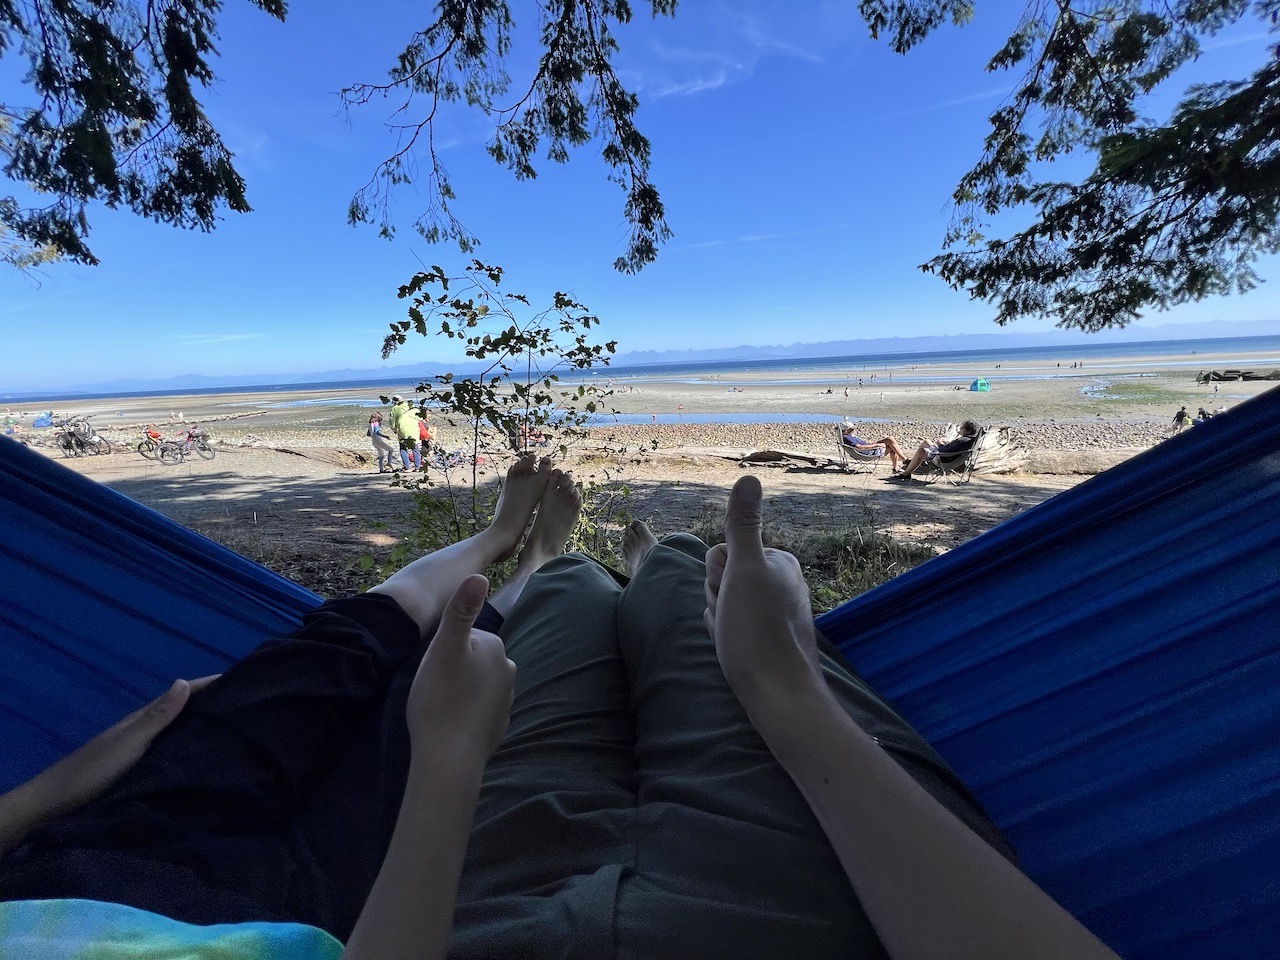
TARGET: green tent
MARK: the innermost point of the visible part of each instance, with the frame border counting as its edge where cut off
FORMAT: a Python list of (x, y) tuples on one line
[(981, 385)]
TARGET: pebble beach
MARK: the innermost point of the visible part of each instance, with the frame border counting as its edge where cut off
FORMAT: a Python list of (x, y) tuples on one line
[(294, 485)]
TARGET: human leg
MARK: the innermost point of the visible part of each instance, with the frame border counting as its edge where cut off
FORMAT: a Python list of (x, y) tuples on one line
[(919, 457), (552, 831), (895, 452), (704, 775), (423, 587), (719, 825), (203, 828)]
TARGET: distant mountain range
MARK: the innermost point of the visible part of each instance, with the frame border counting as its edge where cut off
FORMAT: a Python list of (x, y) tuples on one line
[(964, 341), (412, 372)]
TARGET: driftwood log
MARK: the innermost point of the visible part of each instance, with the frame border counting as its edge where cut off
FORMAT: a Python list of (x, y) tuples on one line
[(1227, 376), (999, 452)]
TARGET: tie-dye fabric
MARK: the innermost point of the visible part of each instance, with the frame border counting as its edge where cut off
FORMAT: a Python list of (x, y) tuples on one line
[(88, 930)]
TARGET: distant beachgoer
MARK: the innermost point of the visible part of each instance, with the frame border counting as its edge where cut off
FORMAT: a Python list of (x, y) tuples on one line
[(846, 393), (1215, 389), (382, 444), (1181, 419), (655, 417), (425, 436), (404, 421)]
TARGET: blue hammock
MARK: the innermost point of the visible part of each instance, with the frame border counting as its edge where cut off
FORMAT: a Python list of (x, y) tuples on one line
[(1103, 671)]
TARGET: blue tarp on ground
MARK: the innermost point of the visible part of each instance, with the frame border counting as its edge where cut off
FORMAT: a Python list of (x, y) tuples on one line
[(1103, 670)]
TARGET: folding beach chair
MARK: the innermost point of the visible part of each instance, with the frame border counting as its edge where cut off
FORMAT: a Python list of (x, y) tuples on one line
[(953, 465), (851, 458)]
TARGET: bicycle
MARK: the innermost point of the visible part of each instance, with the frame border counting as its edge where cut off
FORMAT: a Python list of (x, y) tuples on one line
[(77, 437), (448, 460), (175, 451), (149, 446)]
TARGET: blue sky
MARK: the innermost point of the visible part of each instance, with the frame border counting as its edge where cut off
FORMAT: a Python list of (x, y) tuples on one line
[(806, 172)]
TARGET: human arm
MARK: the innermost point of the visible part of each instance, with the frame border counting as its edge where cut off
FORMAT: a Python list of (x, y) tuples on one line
[(86, 772), (958, 445), (458, 711), (931, 887)]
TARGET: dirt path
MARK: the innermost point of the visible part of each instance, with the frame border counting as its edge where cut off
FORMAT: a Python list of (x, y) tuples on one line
[(313, 521)]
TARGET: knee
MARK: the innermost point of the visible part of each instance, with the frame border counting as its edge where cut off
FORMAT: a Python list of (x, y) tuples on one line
[(681, 541)]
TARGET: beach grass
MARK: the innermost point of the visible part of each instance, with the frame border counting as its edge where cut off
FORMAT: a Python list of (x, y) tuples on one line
[(1133, 393)]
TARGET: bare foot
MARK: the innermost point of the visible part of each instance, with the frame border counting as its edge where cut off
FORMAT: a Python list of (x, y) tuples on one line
[(526, 482), (558, 513), (637, 541)]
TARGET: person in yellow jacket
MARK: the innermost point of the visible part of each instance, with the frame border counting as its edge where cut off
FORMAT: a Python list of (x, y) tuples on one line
[(404, 421)]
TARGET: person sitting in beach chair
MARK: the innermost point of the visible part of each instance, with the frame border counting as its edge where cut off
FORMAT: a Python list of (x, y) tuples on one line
[(872, 448), (941, 452), (582, 764)]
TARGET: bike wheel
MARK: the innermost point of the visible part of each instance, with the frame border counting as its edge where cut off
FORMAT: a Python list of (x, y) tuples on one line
[(148, 450), (69, 446), (103, 444), (170, 453), (206, 452)]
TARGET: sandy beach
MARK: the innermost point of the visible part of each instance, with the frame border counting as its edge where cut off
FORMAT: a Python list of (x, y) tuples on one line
[(293, 484)]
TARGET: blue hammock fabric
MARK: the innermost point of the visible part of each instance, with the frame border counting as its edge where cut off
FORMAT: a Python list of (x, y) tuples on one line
[(105, 603), (1102, 670)]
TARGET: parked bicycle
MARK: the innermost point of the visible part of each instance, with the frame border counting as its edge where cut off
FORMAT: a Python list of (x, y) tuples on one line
[(149, 445), (76, 437), (443, 459), (196, 441)]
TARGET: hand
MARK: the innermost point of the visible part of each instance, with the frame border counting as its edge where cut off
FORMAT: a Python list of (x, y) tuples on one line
[(87, 772), (461, 696), (758, 611)]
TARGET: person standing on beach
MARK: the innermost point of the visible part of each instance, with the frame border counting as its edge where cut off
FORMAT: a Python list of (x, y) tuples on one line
[(382, 445), (404, 421)]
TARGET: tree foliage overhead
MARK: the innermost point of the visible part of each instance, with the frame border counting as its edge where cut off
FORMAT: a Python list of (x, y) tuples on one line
[(573, 98), (114, 117), (1173, 211)]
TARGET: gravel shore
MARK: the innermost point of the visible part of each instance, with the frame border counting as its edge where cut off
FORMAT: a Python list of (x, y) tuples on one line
[(806, 437)]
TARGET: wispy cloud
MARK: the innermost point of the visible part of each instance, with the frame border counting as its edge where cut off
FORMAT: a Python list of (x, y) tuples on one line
[(1237, 41), (764, 237), (946, 104), (697, 85), (768, 42), (735, 44), (201, 339), (250, 144)]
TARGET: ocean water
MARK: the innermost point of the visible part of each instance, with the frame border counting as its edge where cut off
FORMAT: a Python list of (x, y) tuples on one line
[(826, 371)]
